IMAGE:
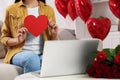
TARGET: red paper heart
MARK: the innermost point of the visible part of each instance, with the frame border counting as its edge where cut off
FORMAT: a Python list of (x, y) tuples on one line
[(99, 28), (115, 7), (71, 9), (61, 6), (84, 9), (36, 26)]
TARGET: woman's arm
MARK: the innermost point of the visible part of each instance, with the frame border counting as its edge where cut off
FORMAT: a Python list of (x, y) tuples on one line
[(21, 36), (6, 37), (5, 31)]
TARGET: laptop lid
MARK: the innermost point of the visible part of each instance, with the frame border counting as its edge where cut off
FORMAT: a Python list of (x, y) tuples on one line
[(67, 57)]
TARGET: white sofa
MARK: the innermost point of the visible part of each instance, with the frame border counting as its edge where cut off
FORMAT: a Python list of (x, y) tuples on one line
[(9, 72)]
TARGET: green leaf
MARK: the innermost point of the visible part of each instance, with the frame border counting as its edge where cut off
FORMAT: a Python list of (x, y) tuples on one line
[(117, 48), (109, 58), (109, 62), (113, 52), (95, 53), (89, 66), (107, 51), (110, 54)]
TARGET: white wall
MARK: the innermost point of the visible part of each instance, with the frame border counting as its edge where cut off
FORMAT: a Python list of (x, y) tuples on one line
[(62, 22), (3, 5)]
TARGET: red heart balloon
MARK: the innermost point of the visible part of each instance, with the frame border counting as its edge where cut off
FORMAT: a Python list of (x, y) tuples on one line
[(115, 7), (84, 9), (61, 6), (71, 10), (99, 27), (66, 1), (36, 26)]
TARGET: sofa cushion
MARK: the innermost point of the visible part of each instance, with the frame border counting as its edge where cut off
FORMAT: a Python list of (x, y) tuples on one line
[(2, 48), (1, 61), (66, 34), (2, 51)]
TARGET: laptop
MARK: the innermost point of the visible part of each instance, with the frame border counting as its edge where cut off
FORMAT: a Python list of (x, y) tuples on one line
[(67, 57)]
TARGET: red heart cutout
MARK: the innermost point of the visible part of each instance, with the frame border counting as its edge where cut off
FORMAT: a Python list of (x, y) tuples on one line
[(84, 9), (99, 28), (71, 10), (36, 26), (115, 7), (61, 6)]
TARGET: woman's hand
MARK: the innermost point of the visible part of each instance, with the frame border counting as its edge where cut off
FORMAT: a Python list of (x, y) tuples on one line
[(53, 29), (22, 34)]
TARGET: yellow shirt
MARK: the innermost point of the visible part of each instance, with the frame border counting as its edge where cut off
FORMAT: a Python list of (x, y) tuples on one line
[(14, 19)]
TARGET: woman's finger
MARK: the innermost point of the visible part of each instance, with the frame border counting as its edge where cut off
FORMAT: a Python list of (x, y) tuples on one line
[(55, 26), (19, 31), (51, 24), (49, 28), (22, 30), (19, 34), (25, 29)]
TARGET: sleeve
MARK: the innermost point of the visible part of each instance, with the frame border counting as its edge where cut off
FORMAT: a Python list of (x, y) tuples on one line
[(53, 16), (5, 29)]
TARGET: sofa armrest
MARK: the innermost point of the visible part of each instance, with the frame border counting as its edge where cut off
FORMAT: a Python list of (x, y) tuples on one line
[(3, 50), (1, 23), (9, 72)]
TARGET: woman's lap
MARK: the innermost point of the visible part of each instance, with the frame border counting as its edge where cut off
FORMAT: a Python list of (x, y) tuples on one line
[(28, 60)]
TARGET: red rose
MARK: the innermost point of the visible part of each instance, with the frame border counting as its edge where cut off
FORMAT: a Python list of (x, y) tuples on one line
[(101, 56), (115, 68), (107, 69), (91, 71), (95, 64), (109, 75), (117, 60), (97, 76), (116, 74), (99, 71), (95, 72)]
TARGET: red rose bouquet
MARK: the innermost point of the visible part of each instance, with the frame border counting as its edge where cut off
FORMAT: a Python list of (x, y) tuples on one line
[(106, 64)]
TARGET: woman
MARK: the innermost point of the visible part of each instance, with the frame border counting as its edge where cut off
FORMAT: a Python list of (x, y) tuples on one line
[(24, 49)]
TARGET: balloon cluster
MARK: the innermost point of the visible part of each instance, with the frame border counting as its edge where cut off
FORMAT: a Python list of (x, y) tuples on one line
[(82, 8), (97, 27)]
